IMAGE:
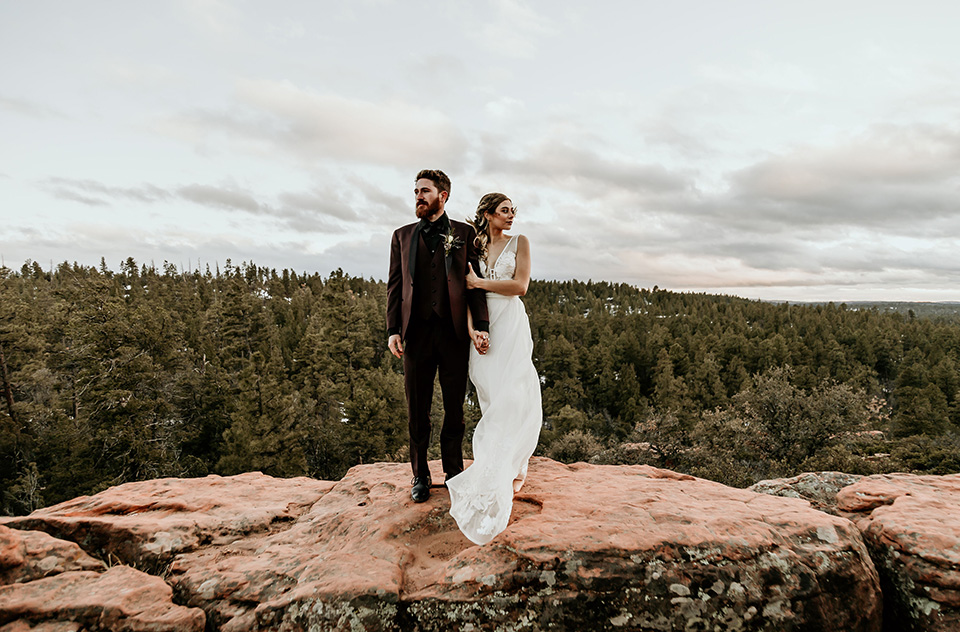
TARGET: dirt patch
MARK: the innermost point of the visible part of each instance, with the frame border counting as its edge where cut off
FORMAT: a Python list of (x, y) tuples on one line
[(433, 550)]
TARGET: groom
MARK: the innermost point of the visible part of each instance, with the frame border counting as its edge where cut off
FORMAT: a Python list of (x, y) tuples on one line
[(427, 301)]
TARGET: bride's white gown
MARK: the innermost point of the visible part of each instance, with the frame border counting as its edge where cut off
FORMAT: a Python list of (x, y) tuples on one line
[(508, 389)]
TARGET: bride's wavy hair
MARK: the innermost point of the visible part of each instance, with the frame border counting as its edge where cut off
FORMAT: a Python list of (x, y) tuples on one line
[(488, 204)]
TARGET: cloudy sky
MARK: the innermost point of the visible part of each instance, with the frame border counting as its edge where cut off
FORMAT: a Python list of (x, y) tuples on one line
[(777, 150)]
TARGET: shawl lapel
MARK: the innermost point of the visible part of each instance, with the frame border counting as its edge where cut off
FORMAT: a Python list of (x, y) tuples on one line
[(414, 243)]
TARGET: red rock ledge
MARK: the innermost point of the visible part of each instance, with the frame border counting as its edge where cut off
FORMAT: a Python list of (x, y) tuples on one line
[(589, 547)]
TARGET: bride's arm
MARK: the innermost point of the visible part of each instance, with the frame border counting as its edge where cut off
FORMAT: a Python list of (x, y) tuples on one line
[(517, 286)]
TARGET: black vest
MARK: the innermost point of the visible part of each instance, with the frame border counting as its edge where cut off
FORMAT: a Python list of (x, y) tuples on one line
[(430, 294)]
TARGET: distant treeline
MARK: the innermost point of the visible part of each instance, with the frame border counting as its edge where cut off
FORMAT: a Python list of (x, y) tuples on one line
[(109, 377), (947, 310)]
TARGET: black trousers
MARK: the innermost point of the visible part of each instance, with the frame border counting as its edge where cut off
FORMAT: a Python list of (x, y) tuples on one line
[(432, 347)]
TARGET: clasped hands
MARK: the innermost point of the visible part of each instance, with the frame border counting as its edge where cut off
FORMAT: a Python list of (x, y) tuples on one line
[(481, 341)]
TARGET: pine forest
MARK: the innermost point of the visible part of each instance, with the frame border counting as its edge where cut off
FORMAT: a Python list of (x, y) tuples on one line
[(109, 377)]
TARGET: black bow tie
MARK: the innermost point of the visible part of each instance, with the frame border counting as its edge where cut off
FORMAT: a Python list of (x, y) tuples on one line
[(439, 227)]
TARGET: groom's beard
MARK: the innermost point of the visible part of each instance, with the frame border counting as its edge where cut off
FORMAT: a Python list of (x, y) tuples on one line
[(426, 210)]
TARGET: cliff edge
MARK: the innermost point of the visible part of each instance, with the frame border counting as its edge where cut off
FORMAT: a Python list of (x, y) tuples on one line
[(589, 547)]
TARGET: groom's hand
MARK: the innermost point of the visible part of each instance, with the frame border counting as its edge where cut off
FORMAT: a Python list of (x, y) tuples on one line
[(395, 345)]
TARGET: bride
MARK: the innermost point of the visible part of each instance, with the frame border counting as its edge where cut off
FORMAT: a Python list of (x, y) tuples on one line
[(508, 387)]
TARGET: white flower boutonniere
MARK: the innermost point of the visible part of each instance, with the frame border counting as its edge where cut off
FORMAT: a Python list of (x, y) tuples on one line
[(450, 243)]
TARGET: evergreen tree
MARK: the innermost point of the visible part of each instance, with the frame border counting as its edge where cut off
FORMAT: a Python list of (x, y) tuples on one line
[(117, 376)]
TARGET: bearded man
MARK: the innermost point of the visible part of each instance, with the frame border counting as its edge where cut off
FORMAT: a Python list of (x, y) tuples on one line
[(427, 303)]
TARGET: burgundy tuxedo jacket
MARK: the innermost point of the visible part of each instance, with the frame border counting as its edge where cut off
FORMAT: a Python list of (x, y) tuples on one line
[(403, 260)]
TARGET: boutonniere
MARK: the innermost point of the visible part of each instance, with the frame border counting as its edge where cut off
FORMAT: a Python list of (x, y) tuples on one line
[(450, 243)]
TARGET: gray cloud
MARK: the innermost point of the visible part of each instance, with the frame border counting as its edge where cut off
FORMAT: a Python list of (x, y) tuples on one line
[(583, 170), (885, 201), (893, 176), (665, 132), (93, 193), (222, 197), (26, 107), (322, 201), (277, 118), (883, 207), (74, 196), (317, 210), (381, 207), (380, 197)]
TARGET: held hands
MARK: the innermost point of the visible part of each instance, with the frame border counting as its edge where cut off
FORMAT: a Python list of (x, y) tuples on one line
[(473, 281), (481, 341)]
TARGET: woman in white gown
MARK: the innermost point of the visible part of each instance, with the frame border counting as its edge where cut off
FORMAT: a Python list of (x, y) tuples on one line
[(508, 387)]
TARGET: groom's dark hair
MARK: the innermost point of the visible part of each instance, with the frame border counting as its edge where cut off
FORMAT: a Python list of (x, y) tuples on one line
[(439, 178)]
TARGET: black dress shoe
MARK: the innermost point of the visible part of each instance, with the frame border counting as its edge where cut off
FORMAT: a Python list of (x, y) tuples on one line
[(421, 489)]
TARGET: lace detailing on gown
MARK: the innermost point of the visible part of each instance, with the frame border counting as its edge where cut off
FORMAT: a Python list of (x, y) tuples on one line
[(504, 267), (508, 389)]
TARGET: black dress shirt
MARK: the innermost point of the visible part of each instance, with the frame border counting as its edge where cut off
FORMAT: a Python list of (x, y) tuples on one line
[(434, 232)]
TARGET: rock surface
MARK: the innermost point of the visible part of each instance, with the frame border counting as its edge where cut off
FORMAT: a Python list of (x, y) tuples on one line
[(589, 547), (819, 488), (29, 555), (912, 527), (143, 525), (119, 599), (146, 524)]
